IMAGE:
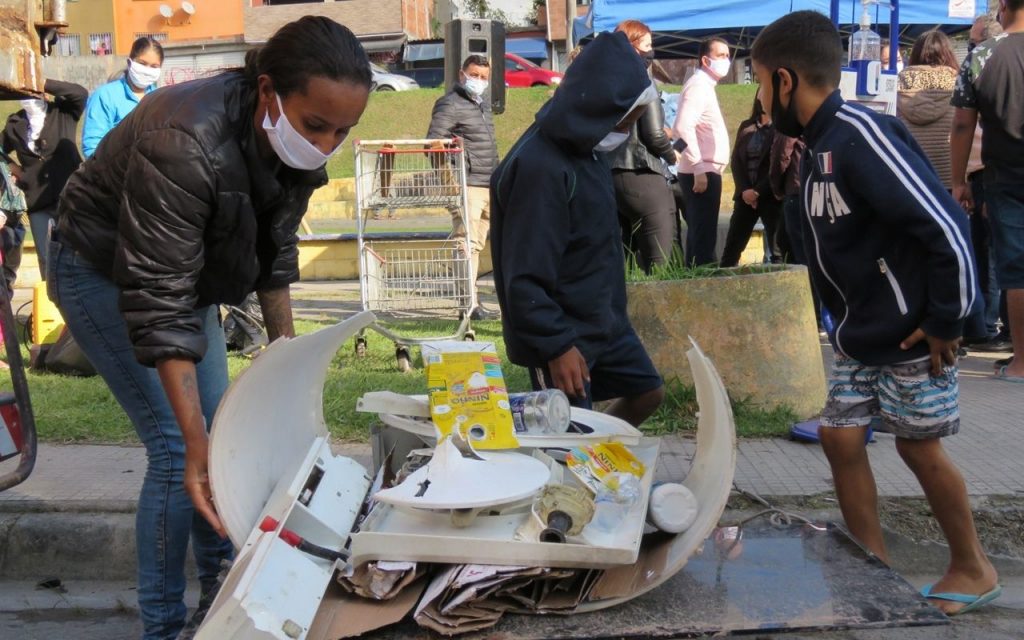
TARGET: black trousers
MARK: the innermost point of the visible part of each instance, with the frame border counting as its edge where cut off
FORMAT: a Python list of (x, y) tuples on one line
[(647, 212), (701, 218), (741, 225)]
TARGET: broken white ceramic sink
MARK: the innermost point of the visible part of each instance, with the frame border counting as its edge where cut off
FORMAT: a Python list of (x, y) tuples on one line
[(275, 481)]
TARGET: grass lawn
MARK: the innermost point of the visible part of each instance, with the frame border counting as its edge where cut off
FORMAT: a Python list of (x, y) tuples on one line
[(406, 115), (69, 409)]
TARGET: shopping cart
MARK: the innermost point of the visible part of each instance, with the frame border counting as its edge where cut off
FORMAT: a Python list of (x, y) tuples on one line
[(407, 273)]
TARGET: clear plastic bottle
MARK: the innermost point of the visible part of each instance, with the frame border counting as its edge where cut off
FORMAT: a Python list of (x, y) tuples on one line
[(865, 44), (540, 412)]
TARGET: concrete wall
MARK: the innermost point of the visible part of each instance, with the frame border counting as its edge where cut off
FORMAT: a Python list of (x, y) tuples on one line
[(88, 71), (363, 17)]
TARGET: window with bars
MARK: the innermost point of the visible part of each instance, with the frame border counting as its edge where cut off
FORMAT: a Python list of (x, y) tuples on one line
[(69, 44), (101, 44), (158, 36)]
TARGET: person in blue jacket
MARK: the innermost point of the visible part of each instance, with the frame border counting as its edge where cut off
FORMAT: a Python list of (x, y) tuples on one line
[(889, 251), (559, 268), (110, 103)]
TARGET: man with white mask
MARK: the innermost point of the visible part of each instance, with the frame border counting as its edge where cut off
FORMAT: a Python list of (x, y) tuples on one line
[(700, 125), (42, 138), (464, 112), (559, 268)]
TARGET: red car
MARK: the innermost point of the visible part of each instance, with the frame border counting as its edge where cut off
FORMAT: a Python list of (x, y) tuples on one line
[(520, 72)]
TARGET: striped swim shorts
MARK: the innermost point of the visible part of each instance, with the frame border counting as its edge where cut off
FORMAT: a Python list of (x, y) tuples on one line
[(909, 402)]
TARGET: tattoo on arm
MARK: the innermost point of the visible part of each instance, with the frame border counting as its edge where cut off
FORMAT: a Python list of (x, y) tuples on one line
[(190, 393), (276, 305)]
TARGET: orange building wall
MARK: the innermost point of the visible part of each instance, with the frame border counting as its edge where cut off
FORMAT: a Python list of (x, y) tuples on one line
[(212, 19)]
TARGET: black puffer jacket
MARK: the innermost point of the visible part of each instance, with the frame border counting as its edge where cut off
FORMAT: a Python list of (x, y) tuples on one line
[(647, 146), (456, 114), (182, 211)]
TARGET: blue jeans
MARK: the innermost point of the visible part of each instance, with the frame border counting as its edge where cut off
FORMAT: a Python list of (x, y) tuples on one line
[(1005, 202), (40, 222), (981, 238), (88, 300)]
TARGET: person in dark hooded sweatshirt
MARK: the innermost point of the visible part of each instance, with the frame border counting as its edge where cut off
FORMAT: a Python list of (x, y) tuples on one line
[(558, 264)]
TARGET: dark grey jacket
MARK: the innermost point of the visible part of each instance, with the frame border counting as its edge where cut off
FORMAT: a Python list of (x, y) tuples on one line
[(457, 115), (46, 169), (647, 146), (181, 210)]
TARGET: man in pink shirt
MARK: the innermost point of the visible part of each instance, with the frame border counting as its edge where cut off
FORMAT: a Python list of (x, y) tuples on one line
[(700, 125)]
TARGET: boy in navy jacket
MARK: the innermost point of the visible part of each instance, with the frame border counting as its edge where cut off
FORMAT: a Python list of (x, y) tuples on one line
[(887, 248)]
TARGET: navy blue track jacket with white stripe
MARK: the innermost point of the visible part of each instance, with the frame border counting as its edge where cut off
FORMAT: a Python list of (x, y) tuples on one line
[(887, 245)]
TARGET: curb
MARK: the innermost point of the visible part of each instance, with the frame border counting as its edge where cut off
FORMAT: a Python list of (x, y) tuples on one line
[(83, 545)]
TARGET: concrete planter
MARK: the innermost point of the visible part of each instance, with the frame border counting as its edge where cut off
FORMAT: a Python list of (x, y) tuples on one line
[(758, 329)]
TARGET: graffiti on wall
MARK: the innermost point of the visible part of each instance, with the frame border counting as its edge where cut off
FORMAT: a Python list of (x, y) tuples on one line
[(177, 75)]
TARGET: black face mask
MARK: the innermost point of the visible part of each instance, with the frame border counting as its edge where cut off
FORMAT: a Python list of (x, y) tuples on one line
[(785, 119), (648, 57), (970, 47)]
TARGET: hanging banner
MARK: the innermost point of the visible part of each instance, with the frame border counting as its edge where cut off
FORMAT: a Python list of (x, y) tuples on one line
[(961, 8)]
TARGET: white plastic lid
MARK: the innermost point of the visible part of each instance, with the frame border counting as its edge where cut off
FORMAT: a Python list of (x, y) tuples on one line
[(672, 508)]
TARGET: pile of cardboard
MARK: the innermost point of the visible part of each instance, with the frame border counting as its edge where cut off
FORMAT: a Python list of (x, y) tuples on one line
[(464, 598)]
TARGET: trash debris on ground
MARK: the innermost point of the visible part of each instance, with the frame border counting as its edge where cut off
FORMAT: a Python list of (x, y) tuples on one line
[(455, 533)]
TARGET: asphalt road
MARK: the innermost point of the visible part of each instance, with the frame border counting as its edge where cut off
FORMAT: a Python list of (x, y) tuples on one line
[(80, 624)]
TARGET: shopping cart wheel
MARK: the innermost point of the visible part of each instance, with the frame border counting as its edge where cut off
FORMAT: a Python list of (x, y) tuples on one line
[(361, 347), (470, 336), (404, 361)]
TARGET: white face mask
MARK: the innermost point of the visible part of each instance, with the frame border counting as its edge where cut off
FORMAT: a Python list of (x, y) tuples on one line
[(611, 141), (142, 76), (34, 107), (291, 146), (720, 67), (476, 86)]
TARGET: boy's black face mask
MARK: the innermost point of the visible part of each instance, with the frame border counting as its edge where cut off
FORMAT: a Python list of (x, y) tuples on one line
[(784, 118)]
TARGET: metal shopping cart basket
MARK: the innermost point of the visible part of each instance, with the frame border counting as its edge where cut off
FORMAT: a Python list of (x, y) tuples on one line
[(408, 273)]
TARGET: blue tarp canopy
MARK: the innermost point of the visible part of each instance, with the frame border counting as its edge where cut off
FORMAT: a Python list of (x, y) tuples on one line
[(679, 25), (530, 48)]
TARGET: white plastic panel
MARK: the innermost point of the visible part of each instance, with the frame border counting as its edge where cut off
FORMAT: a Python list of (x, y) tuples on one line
[(710, 479), (267, 421), (274, 589), (389, 533)]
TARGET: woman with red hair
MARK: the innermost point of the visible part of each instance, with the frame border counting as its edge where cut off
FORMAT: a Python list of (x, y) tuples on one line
[(647, 210)]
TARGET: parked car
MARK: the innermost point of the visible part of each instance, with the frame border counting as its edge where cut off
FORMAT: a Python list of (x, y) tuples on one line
[(384, 80), (427, 77), (520, 72)]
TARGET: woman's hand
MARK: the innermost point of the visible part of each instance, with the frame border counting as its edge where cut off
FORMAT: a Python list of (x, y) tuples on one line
[(750, 197), (178, 377), (197, 483)]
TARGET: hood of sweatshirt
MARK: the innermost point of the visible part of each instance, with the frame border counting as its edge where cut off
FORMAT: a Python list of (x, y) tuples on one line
[(600, 87)]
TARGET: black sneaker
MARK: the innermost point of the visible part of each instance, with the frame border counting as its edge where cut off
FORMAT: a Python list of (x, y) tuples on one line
[(207, 594), (994, 345)]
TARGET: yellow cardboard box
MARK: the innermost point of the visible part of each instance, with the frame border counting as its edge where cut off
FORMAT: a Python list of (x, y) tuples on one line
[(467, 392)]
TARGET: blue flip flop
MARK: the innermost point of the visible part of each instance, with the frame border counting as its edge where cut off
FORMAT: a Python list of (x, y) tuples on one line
[(1001, 375), (971, 602)]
